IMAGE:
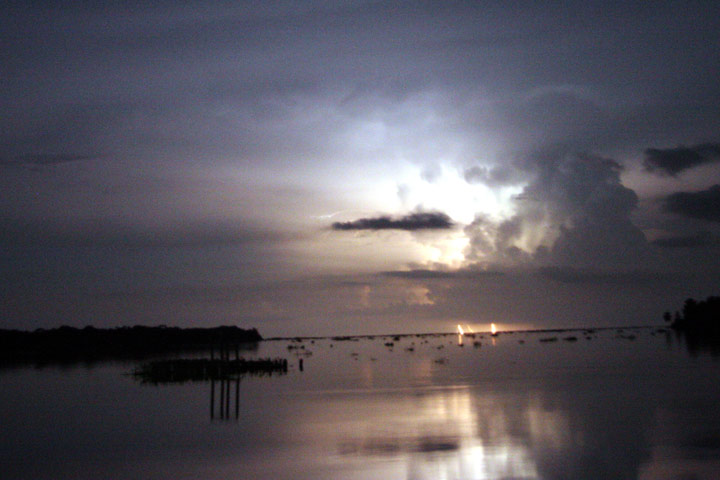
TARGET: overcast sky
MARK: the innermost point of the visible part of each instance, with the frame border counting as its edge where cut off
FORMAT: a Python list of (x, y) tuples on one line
[(339, 167)]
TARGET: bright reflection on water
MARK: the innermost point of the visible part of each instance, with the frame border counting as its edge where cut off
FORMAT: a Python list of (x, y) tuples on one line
[(574, 405)]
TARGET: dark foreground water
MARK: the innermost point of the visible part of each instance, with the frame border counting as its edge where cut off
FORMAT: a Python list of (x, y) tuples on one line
[(619, 405)]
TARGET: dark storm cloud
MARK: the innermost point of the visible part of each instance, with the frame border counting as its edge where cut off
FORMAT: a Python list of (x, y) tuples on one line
[(420, 274), (698, 240), (672, 161), (703, 205), (580, 275), (167, 57), (412, 222)]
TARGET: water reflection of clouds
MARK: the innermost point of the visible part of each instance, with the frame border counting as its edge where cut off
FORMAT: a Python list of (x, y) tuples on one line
[(606, 409), (590, 410), (446, 433), (468, 432)]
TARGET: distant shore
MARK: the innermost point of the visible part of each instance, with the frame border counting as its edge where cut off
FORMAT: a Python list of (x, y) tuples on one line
[(69, 344), (89, 344), (479, 333)]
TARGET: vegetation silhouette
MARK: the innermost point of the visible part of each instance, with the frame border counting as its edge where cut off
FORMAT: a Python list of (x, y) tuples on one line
[(68, 344), (698, 325), (184, 370)]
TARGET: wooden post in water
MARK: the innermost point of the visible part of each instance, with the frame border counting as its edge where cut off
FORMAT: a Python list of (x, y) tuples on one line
[(222, 399), (227, 399), (212, 399), (237, 398)]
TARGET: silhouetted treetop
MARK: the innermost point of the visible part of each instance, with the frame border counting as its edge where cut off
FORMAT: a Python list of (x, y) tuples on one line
[(699, 316)]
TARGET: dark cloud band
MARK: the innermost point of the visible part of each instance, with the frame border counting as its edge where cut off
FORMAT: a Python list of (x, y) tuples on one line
[(412, 222), (699, 240), (704, 205), (672, 161)]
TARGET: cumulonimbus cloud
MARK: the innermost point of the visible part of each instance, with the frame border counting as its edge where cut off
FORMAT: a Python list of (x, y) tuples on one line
[(411, 222), (672, 161), (575, 212)]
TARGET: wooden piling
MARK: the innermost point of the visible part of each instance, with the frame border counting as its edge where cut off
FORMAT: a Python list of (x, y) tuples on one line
[(222, 399), (227, 399), (212, 399), (237, 398)]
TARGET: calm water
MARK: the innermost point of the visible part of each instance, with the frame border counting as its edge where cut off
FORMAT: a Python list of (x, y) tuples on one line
[(516, 407)]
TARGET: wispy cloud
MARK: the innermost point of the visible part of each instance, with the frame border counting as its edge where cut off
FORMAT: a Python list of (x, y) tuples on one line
[(42, 159)]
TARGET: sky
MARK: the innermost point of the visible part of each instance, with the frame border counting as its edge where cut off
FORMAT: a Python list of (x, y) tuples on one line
[(357, 167)]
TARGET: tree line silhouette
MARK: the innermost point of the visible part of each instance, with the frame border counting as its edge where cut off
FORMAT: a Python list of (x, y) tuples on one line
[(69, 344), (700, 316), (698, 324)]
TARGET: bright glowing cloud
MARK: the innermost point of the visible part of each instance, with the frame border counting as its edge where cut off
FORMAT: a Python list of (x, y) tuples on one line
[(449, 192)]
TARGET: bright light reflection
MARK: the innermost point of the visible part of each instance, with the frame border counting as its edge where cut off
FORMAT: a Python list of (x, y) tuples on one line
[(450, 433), (482, 453), (448, 191), (449, 249)]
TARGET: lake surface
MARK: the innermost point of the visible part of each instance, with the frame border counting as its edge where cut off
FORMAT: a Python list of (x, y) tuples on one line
[(631, 404)]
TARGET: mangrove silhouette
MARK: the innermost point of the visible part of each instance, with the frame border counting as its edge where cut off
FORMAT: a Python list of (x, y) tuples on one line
[(184, 370), (225, 372), (698, 325), (68, 344)]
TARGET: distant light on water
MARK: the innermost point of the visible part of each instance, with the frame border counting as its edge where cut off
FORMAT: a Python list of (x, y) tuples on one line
[(493, 329), (460, 330)]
